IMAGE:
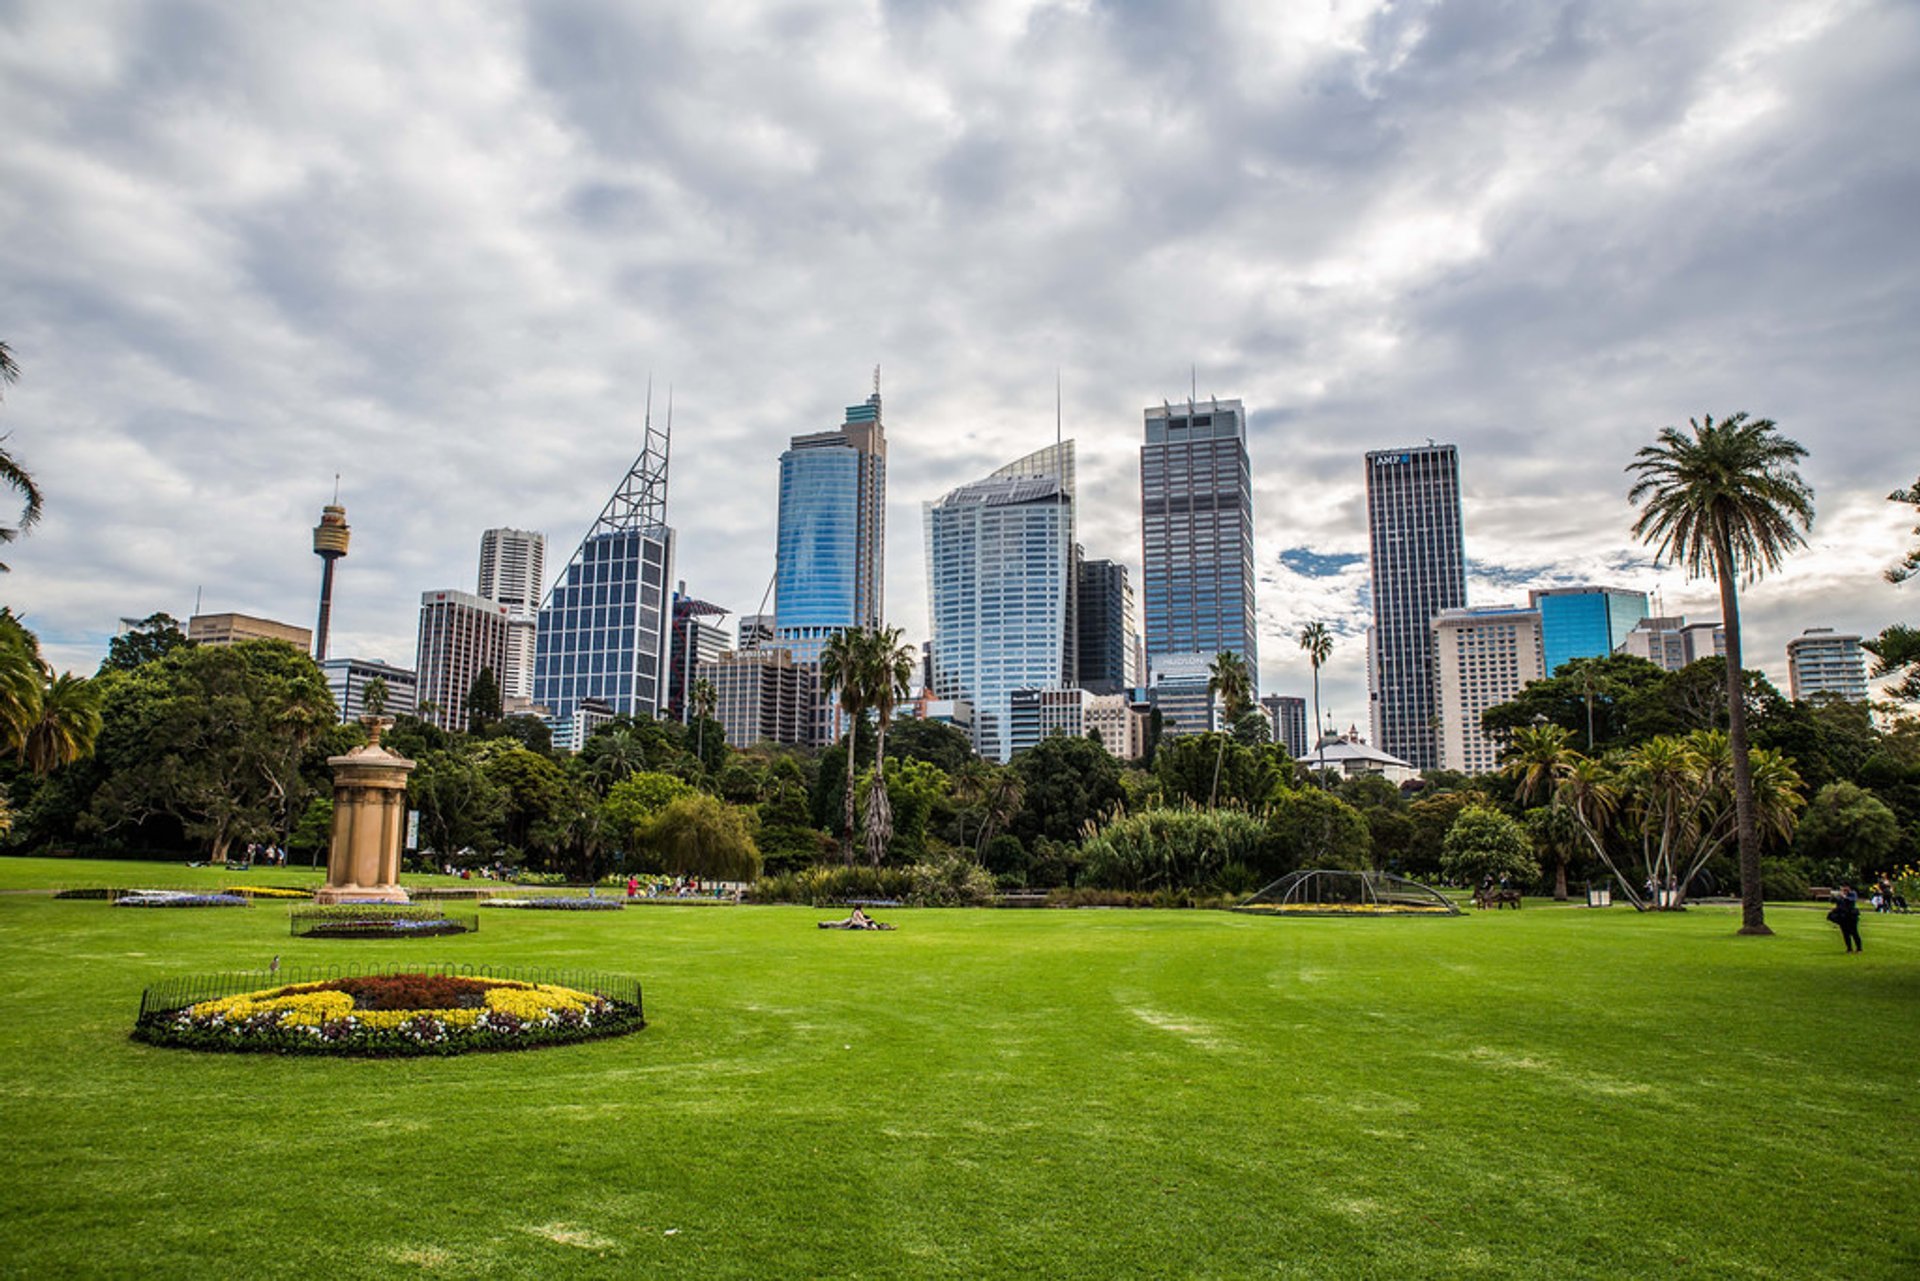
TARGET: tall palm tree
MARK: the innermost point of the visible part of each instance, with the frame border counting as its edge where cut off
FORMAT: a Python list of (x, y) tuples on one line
[(67, 724), (12, 474), (888, 673), (1005, 793), (1726, 502), (703, 700), (1318, 642), (1538, 757), (1229, 681), (842, 664)]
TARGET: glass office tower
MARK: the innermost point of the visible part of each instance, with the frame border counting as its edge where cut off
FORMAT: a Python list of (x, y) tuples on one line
[(1585, 622), (604, 630), (1419, 567), (1196, 512), (999, 579), (830, 567)]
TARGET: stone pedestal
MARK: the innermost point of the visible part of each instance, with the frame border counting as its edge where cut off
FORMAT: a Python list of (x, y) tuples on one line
[(369, 823)]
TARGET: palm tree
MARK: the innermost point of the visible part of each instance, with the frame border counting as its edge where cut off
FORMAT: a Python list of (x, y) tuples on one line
[(1229, 681), (1005, 793), (66, 727), (1318, 642), (1537, 759), (842, 661), (22, 677), (888, 674), (373, 696), (12, 474), (1727, 502), (703, 700)]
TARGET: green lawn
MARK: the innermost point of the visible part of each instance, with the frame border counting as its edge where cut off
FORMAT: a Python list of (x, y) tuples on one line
[(1553, 1092)]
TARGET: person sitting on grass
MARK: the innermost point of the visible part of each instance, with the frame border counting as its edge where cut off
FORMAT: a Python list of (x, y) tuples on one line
[(856, 920)]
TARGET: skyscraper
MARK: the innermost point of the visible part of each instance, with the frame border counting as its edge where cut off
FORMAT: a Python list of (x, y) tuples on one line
[(513, 567), (460, 634), (604, 630), (1419, 567), (1105, 621), (695, 641), (330, 538), (1823, 661), (1289, 715), (1483, 657), (1585, 622), (831, 559), (1196, 511), (999, 578)]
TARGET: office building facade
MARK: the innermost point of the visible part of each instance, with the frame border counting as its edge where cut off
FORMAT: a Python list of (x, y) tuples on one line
[(1289, 717), (1823, 661), (1034, 714), (1179, 691), (513, 567), (830, 568), (605, 629), (1585, 622), (1196, 511), (348, 678), (1671, 642), (764, 696), (1104, 617), (1121, 721), (695, 641), (230, 629), (1418, 568), (461, 635), (1486, 656), (999, 581)]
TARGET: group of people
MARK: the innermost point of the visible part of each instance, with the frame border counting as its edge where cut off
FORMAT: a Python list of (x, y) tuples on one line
[(1887, 896), (1845, 911)]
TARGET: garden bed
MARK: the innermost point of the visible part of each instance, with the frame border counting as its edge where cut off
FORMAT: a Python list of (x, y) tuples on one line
[(177, 898), (558, 903), (379, 920), (424, 1010)]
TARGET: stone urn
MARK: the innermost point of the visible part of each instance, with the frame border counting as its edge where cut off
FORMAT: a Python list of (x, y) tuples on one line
[(369, 822)]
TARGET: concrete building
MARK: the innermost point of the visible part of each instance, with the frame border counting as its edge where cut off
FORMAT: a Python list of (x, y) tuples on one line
[(513, 567), (1035, 714), (695, 641), (1121, 720), (229, 629), (764, 696), (1585, 622), (1000, 581), (348, 677), (605, 629), (1486, 656), (460, 634), (570, 733), (1104, 656), (1179, 690), (1289, 717), (1418, 566), (1673, 642), (1196, 511), (1823, 661), (754, 630)]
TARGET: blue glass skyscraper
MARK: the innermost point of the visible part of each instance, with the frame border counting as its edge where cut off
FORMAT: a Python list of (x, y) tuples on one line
[(604, 629), (830, 568), (999, 579), (1585, 622)]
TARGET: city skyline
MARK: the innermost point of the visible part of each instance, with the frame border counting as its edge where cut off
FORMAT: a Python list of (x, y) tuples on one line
[(223, 291)]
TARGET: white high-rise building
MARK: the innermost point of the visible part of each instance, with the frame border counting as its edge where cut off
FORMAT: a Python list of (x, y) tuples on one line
[(513, 567), (1672, 643), (1000, 578), (460, 634), (1485, 656), (1823, 661), (348, 679)]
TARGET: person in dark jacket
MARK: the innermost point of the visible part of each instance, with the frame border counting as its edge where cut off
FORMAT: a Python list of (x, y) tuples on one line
[(1846, 914)]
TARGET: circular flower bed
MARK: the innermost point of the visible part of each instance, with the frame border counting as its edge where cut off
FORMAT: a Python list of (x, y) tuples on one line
[(378, 920), (267, 891), (556, 903), (395, 1014), (178, 898)]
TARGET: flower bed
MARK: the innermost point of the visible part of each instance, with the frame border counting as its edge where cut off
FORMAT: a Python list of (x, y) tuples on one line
[(557, 903), (178, 898), (411, 1012), (378, 920), (1347, 909), (267, 891)]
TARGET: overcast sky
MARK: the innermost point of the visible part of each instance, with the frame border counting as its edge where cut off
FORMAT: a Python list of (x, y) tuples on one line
[(440, 248)]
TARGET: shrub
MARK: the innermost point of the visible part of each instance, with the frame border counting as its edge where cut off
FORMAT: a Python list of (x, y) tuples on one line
[(953, 882), (1484, 842), (1171, 848), (1785, 879)]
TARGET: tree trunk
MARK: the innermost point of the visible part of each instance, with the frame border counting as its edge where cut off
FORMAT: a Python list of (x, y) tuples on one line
[(1560, 878), (846, 845), (1320, 757), (1753, 917)]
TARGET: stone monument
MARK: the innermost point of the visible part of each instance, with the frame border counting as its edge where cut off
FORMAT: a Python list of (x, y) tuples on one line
[(369, 822)]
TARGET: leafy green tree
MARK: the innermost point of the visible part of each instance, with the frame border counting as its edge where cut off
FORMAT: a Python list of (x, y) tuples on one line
[(1910, 563), (461, 808), (1556, 836), (533, 786), (312, 835), (701, 836), (635, 801), (1846, 821), (154, 636), (1064, 783), (1253, 729), (1484, 842), (483, 701), (612, 754), (1896, 651), (1726, 503), (1431, 817), (935, 742), (1316, 829), (916, 790), (213, 736), (1212, 769)]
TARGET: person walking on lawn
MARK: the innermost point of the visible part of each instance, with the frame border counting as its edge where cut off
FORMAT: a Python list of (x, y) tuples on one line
[(1846, 914)]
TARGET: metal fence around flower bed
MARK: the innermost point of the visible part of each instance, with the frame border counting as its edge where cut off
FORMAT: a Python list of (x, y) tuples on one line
[(379, 921), (170, 995)]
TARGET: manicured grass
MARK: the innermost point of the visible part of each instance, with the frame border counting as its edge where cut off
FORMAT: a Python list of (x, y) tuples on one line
[(1552, 1092)]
